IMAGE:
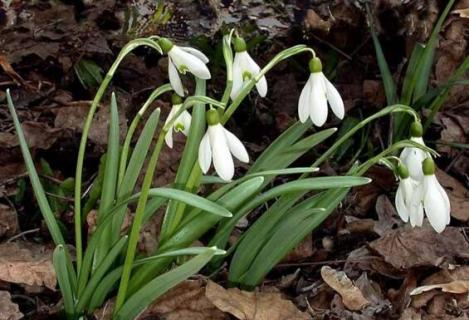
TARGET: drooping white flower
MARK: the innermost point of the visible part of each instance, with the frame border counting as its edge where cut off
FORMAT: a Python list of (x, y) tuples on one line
[(244, 69), (432, 198), (219, 144), (317, 92), (412, 157), (406, 206), (182, 122), (181, 60)]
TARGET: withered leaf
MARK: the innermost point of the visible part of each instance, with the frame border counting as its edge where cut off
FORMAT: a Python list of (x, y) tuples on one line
[(253, 305), (27, 263), (458, 286), (38, 135), (413, 247), (8, 221), (352, 297), (8, 309)]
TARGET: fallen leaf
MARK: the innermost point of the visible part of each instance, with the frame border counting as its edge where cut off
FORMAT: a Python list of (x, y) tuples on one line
[(387, 216), (8, 309), (351, 295), (458, 195), (459, 286), (315, 22), (414, 247), (253, 305), (38, 135), (8, 221), (187, 301), (463, 13), (27, 263)]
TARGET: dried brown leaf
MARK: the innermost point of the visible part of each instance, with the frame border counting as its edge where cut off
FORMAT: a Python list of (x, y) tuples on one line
[(8, 309), (253, 305), (351, 295), (458, 286), (8, 221), (463, 13), (413, 247), (27, 263)]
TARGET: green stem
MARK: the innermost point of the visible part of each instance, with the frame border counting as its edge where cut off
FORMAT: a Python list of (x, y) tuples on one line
[(345, 137), (137, 223), (133, 126), (86, 128)]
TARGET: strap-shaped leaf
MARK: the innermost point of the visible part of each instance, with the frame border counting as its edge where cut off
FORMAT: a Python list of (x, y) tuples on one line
[(59, 260)]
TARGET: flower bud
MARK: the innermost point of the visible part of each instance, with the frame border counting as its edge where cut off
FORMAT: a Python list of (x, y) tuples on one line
[(315, 65)]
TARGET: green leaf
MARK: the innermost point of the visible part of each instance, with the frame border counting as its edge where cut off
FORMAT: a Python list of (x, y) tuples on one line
[(136, 303), (411, 74), (319, 183), (192, 228), (388, 81), (109, 179), (426, 60), (134, 168), (59, 260), (109, 281), (89, 73), (85, 296), (41, 198)]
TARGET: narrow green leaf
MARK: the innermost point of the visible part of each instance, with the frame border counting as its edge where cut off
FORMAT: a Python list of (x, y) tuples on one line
[(85, 296), (109, 179), (411, 74), (59, 260), (41, 198)]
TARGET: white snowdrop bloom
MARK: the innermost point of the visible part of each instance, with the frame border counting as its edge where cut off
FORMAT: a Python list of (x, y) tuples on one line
[(406, 206), (244, 69), (181, 60), (182, 122), (431, 196), (219, 144), (412, 157), (317, 92)]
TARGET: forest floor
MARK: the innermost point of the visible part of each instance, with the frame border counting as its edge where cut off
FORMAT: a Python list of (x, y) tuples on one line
[(362, 263)]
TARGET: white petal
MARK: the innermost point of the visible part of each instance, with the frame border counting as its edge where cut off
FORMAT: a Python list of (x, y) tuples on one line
[(416, 211), (254, 69), (444, 196), (434, 205), (261, 87), (174, 78), (168, 138), (236, 147), (199, 54), (237, 76), (222, 160), (401, 205), (205, 153), (303, 103), (186, 121), (318, 101), (196, 66), (334, 98)]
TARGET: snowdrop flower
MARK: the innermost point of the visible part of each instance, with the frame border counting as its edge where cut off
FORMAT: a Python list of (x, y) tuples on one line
[(412, 157), (181, 60), (220, 144), (315, 95), (431, 197), (182, 122), (406, 206), (244, 69)]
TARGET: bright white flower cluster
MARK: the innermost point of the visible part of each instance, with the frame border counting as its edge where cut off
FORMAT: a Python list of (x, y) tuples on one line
[(218, 143), (419, 190)]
